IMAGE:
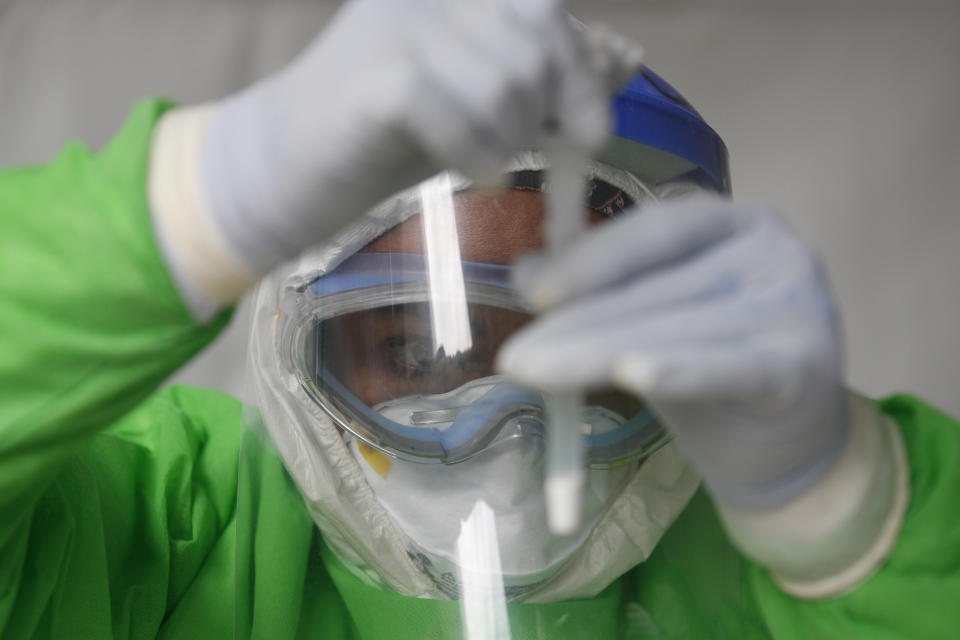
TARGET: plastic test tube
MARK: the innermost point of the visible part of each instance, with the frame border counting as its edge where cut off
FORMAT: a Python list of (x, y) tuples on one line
[(565, 460)]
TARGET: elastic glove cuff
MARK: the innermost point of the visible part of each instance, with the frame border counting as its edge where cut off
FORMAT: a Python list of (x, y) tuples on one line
[(204, 267), (836, 535)]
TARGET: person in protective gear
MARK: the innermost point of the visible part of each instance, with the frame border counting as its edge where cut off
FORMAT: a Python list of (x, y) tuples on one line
[(386, 479)]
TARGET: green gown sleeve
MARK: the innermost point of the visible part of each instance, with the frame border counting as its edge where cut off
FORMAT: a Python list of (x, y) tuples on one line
[(90, 324), (915, 594), (126, 513)]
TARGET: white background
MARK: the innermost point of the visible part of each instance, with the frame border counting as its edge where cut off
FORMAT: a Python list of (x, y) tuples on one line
[(843, 114)]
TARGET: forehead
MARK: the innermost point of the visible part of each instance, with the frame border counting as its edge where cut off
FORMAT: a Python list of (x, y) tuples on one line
[(493, 227)]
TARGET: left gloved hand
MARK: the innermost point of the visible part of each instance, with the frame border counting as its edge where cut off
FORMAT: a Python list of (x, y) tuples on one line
[(721, 318), (388, 94)]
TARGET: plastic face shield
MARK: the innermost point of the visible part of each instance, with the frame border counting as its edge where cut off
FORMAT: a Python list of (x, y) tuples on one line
[(398, 343)]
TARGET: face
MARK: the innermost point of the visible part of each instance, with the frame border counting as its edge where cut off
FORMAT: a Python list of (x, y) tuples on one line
[(388, 352)]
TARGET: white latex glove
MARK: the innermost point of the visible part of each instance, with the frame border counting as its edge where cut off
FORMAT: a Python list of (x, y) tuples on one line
[(717, 315), (390, 93)]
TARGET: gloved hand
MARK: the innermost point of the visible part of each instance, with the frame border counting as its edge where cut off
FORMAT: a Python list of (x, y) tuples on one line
[(390, 93), (717, 315)]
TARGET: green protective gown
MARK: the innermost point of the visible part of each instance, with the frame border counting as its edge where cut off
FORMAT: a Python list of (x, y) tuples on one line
[(131, 513)]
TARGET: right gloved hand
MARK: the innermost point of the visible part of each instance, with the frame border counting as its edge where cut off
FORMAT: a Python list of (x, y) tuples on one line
[(722, 319), (390, 93)]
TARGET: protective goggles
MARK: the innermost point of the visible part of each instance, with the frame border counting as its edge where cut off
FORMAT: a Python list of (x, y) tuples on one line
[(406, 364)]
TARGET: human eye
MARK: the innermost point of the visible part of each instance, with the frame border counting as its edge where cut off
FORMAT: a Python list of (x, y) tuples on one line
[(410, 356)]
